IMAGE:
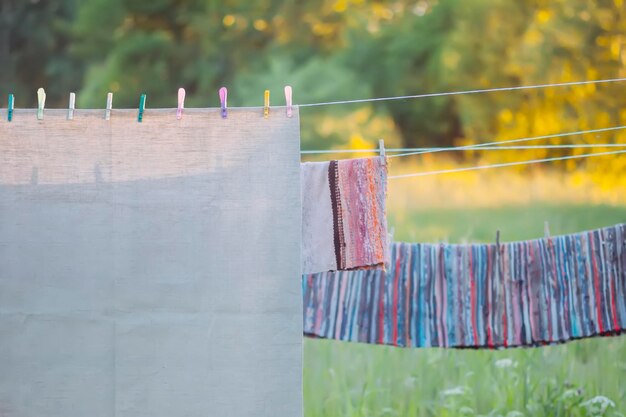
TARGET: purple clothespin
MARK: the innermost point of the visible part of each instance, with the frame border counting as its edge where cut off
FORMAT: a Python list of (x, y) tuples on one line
[(181, 103), (288, 100), (223, 101)]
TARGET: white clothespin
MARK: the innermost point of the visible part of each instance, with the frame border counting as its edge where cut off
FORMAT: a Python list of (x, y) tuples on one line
[(546, 229), (70, 107), (288, 100), (381, 147), (181, 103), (107, 110), (41, 102)]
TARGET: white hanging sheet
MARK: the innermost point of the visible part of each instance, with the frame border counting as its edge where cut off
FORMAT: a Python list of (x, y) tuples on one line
[(150, 269)]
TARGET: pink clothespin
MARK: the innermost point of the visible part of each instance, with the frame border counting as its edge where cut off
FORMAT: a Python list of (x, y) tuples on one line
[(224, 101), (181, 103), (288, 100)]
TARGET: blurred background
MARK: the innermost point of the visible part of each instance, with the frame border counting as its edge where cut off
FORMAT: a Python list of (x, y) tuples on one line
[(351, 49)]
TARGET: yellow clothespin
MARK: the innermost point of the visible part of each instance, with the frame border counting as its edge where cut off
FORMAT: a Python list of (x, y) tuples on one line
[(266, 104)]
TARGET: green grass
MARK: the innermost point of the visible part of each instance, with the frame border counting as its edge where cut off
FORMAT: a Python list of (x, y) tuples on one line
[(514, 223), (348, 379)]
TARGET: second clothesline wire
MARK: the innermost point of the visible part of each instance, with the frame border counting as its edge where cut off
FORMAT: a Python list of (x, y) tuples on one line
[(488, 145)]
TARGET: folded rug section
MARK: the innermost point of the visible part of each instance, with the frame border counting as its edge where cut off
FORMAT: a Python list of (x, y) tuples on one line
[(528, 293), (344, 223)]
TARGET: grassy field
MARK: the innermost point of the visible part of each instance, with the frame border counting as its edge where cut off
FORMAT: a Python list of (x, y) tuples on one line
[(583, 378)]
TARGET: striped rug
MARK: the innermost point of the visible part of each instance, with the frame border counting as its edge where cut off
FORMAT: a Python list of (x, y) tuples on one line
[(526, 293)]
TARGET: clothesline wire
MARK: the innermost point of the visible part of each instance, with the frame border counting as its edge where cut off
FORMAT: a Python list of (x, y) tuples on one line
[(457, 93), (483, 148), (477, 146), (480, 145), (506, 164)]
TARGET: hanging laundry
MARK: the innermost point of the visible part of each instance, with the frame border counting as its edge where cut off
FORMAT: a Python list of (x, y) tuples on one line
[(344, 223), (147, 269), (481, 295)]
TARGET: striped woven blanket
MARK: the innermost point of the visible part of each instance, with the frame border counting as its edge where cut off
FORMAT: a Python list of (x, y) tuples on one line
[(477, 295)]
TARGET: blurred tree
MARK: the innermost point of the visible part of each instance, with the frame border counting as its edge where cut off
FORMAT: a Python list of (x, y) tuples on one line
[(34, 50), (566, 41), (158, 45), (333, 50)]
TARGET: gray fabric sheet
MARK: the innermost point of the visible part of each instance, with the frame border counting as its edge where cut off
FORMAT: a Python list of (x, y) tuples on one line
[(150, 269)]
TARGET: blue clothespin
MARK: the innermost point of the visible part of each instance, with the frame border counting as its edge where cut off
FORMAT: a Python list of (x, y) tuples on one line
[(10, 108), (41, 100), (142, 107)]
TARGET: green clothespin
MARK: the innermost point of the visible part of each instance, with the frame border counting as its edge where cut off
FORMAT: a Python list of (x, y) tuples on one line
[(142, 107), (41, 100), (10, 108)]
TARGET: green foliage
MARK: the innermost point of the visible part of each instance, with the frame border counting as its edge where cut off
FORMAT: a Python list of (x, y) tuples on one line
[(35, 39)]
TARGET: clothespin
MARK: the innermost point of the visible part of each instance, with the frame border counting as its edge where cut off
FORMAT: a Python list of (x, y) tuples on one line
[(10, 107), (41, 100), (181, 103), (70, 107), (381, 147), (498, 240), (107, 111), (223, 93), (142, 107), (288, 100), (546, 229), (266, 104)]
